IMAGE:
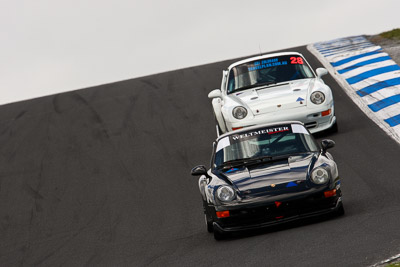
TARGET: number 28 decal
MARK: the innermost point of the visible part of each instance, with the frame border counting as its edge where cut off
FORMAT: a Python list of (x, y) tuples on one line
[(296, 60)]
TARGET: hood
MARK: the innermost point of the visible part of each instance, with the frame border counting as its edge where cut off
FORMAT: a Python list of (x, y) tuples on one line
[(272, 178), (283, 96)]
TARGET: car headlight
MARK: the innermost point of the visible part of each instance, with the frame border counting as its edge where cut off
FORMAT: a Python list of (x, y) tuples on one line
[(319, 175), (225, 193), (239, 112), (317, 97)]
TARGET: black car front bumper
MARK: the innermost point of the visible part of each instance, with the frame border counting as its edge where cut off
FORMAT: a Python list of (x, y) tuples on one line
[(261, 216)]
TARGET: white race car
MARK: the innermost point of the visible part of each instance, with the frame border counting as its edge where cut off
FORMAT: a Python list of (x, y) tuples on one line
[(272, 88)]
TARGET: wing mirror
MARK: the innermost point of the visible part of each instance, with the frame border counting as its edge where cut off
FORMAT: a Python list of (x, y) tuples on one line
[(326, 144), (321, 72), (199, 170), (215, 94)]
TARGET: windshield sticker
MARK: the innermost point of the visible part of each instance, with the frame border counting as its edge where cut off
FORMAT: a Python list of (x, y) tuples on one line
[(297, 128), (249, 135), (224, 142), (266, 63)]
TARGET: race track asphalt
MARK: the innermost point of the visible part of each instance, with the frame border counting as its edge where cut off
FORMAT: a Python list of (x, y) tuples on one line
[(101, 177)]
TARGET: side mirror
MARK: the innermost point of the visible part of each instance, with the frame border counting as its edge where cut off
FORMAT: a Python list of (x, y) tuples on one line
[(199, 170), (326, 144), (215, 94), (321, 72)]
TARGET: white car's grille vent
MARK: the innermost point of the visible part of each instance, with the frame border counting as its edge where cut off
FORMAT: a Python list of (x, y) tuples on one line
[(311, 124)]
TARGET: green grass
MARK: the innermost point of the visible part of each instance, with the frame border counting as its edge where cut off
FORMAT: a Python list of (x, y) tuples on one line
[(395, 264), (393, 34)]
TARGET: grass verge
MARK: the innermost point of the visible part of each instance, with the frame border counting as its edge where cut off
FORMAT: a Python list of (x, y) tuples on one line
[(393, 34)]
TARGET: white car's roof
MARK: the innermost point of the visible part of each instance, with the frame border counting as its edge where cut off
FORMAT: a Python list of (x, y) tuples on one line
[(246, 129), (262, 57)]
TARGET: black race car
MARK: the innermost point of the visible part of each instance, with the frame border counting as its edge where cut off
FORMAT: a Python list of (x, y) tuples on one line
[(266, 175)]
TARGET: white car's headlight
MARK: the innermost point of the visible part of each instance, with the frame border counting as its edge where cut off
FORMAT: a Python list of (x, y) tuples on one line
[(319, 175), (317, 97), (225, 193), (239, 112)]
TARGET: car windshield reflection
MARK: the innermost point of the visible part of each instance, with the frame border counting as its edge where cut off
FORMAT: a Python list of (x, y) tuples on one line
[(264, 144), (268, 71)]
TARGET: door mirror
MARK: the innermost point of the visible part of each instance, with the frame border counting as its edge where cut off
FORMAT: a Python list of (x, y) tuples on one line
[(215, 94), (199, 170), (326, 144), (321, 72)]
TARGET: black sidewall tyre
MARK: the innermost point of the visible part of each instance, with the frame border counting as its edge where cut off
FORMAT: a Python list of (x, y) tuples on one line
[(217, 234), (334, 128), (209, 224), (340, 211)]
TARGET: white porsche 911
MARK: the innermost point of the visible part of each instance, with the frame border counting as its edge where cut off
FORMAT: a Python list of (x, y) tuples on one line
[(272, 88)]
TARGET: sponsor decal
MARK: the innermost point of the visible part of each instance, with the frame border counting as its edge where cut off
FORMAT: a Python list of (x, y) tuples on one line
[(299, 99), (249, 135), (277, 204), (266, 63)]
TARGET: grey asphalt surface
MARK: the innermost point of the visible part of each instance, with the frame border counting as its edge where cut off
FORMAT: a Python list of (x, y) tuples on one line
[(101, 177)]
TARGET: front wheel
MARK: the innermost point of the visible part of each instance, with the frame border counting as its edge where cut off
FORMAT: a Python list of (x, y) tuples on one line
[(334, 128), (209, 224), (340, 211), (217, 234)]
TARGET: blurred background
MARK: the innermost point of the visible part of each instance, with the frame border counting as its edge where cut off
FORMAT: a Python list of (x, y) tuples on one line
[(49, 47)]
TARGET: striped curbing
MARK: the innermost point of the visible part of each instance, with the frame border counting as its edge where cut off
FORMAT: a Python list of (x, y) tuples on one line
[(368, 75)]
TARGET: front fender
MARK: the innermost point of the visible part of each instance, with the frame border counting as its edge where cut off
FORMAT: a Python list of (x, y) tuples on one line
[(203, 186), (216, 103)]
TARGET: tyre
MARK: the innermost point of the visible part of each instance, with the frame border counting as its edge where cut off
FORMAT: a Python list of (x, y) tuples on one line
[(334, 128), (209, 223), (217, 234), (340, 211)]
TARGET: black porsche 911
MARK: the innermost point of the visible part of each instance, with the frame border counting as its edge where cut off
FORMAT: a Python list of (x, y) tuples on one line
[(266, 175)]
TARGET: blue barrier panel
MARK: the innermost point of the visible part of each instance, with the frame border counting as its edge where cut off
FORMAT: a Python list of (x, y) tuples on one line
[(384, 103), (347, 60), (363, 63), (378, 86), (370, 73)]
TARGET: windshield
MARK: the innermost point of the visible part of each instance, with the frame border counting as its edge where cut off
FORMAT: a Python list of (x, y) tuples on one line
[(268, 71), (264, 142)]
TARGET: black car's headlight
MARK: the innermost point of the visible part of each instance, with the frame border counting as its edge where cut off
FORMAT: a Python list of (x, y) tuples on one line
[(317, 97), (225, 193), (239, 112), (319, 175)]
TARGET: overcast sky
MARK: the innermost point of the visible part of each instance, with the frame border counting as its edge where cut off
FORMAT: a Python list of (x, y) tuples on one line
[(50, 46)]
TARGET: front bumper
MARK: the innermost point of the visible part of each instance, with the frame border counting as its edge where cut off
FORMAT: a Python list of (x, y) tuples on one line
[(270, 214), (312, 118)]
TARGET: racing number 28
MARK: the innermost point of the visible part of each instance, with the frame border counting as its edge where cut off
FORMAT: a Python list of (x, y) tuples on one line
[(296, 60)]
